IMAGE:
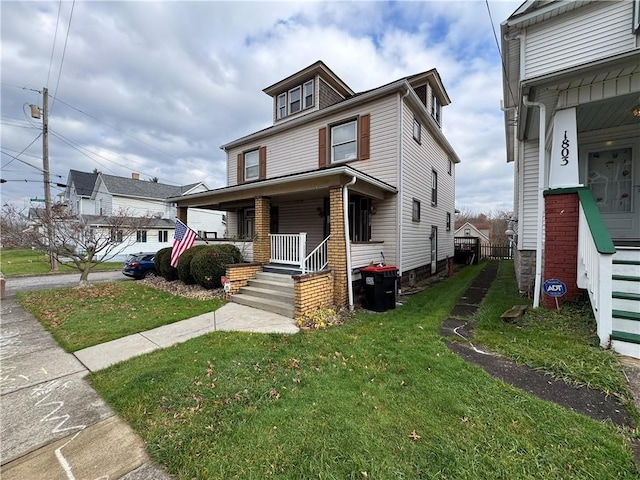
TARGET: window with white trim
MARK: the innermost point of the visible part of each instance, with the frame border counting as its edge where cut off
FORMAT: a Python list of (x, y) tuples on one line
[(436, 109), (163, 236), (448, 222), (282, 105), (141, 236), (434, 187), (344, 145), (295, 104), (251, 165), (415, 211), (116, 236), (308, 94), (417, 131)]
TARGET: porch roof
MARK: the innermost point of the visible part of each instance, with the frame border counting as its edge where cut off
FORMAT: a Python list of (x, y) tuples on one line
[(307, 184)]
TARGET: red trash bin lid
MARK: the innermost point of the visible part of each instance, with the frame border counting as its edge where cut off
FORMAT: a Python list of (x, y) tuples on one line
[(376, 268)]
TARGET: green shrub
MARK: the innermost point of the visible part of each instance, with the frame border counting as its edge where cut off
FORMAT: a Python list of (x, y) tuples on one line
[(232, 250), (209, 264), (184, 264), (162, 261)]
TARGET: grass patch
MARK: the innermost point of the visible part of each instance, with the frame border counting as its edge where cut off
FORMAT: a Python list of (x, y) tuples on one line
[(562, 343), (17, 261), (82, 317), (380, 397)]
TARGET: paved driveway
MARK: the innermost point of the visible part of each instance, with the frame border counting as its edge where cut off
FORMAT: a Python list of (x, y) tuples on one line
[(43, 282)]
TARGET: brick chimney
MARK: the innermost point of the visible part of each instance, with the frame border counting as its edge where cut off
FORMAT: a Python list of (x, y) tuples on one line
[(135, 176)]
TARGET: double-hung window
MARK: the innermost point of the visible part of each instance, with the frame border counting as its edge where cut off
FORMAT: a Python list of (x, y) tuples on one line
[(282, 105), (308, 94), (434, 187), (344, 142), (141, 236), (417, 130), (415, 211), (448, 222), (295, 103), (436, 109), (163, 236), (251, 165)]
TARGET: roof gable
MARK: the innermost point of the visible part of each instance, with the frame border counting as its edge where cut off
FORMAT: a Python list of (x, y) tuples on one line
[(83, 182)]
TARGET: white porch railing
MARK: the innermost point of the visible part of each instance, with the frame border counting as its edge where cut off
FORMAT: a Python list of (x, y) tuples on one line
[(318, 259), (288, 248), (595, 265)]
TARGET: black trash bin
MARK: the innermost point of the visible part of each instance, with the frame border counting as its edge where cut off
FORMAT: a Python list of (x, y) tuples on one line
[(380, 287)]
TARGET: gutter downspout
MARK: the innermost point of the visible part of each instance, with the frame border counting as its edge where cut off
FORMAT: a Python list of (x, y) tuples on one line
[(345, 211), (541, 162), (401, 184)]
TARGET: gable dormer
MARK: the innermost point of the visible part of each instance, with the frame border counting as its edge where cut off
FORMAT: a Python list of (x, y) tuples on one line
[(313, 88), (429, 89)]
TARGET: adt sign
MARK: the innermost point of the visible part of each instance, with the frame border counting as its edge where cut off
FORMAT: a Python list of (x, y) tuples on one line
[(554, 288)]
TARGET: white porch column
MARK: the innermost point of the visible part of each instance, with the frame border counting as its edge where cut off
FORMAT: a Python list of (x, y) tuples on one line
[(563, 171)]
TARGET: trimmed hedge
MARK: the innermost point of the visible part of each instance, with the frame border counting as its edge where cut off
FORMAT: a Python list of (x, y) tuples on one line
[(184, 264), (162, 261), (210, 263)]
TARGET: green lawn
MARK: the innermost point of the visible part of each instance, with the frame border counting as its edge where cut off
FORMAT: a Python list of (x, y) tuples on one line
[(380, 397), (82, 317), (16, 261)]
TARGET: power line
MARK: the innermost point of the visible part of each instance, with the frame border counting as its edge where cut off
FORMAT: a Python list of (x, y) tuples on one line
[(64, 50), (504, 66), (55, 36), (23, 150)]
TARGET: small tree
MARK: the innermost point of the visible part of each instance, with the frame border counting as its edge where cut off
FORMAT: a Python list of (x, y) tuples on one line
[(88, 240), (16, 230)]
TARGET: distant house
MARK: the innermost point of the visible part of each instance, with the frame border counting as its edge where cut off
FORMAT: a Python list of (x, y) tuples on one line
[(96, 196), (342, 180), (467, 229), (572, 120)]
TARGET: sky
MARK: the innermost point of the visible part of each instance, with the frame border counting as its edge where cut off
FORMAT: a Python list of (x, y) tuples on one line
[(156, 87)]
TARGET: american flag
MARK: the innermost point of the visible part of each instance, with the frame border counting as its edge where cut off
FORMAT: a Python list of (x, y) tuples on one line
[(183, 239)]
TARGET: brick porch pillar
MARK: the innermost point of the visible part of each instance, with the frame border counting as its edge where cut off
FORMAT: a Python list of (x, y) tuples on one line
[(337, 248), (561, 243), (262, 242)]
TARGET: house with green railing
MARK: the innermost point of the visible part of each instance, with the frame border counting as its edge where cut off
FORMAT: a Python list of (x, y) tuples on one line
[(571, 101)]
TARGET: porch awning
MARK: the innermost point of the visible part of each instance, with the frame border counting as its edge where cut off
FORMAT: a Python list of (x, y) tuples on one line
[(302, 185)]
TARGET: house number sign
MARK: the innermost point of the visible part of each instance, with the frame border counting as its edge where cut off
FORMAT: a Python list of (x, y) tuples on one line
[(563, 171)]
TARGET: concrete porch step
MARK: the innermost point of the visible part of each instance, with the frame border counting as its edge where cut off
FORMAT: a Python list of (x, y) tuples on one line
[(281, 268), (268, 293), (275, 277), (260, 303), (266, 284)]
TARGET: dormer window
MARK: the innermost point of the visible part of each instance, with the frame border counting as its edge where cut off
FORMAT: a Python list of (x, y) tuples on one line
[(282, 105), (308, 94), (294, 100), (436, 109)]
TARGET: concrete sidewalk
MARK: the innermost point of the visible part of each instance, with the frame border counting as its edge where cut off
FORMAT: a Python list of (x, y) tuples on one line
[(54, 425), (230, 317)]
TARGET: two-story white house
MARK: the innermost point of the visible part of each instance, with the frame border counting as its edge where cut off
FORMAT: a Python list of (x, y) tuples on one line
[(342, 180), (572, 120), (96, 196)]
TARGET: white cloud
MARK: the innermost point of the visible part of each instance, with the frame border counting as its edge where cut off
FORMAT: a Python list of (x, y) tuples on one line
[(184, 78)]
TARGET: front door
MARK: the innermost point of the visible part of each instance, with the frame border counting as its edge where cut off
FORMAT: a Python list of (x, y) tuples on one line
[(614, 180), (434, 248)]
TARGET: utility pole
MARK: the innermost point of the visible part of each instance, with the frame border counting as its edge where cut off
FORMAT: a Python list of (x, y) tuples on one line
[(47, 179)]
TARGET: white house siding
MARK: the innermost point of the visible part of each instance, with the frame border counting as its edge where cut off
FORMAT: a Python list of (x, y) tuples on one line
[(103, 204), (419, 161), (129, 246), (599, 30), (143, 207), (527, 223), (86, 206), (384, 228), (296, 150), (202, 220)]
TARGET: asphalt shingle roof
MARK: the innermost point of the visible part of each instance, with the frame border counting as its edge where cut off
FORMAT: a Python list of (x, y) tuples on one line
[(83, 181), (142, 188)]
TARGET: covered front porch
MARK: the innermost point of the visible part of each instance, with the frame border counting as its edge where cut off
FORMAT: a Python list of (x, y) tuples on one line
[(305, 225)]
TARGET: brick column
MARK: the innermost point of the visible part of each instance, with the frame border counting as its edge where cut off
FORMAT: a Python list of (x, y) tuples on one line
[(262, 243), (561, 244), (337, 248)]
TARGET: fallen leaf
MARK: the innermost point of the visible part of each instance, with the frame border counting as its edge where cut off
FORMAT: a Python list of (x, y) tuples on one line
[(414, 436)]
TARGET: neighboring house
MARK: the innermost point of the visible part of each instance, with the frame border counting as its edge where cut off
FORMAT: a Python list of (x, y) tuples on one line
[(572, 119), (98, 195), (481, 231), (342, 179), (77, 195)]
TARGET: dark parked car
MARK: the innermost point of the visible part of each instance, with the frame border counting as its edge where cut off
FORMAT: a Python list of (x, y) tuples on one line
[(140, 265)]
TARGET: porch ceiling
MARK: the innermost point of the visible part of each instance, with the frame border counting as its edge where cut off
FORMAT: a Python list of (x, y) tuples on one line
[(300, 186)]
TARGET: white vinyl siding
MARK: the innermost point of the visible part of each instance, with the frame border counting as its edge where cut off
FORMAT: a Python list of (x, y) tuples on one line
[(527, 224), (589, 33), (419, 162), (296, 150), (142, 207), (103, 200)]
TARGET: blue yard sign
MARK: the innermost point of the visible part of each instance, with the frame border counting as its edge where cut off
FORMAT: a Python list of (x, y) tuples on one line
[(554, 288)]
